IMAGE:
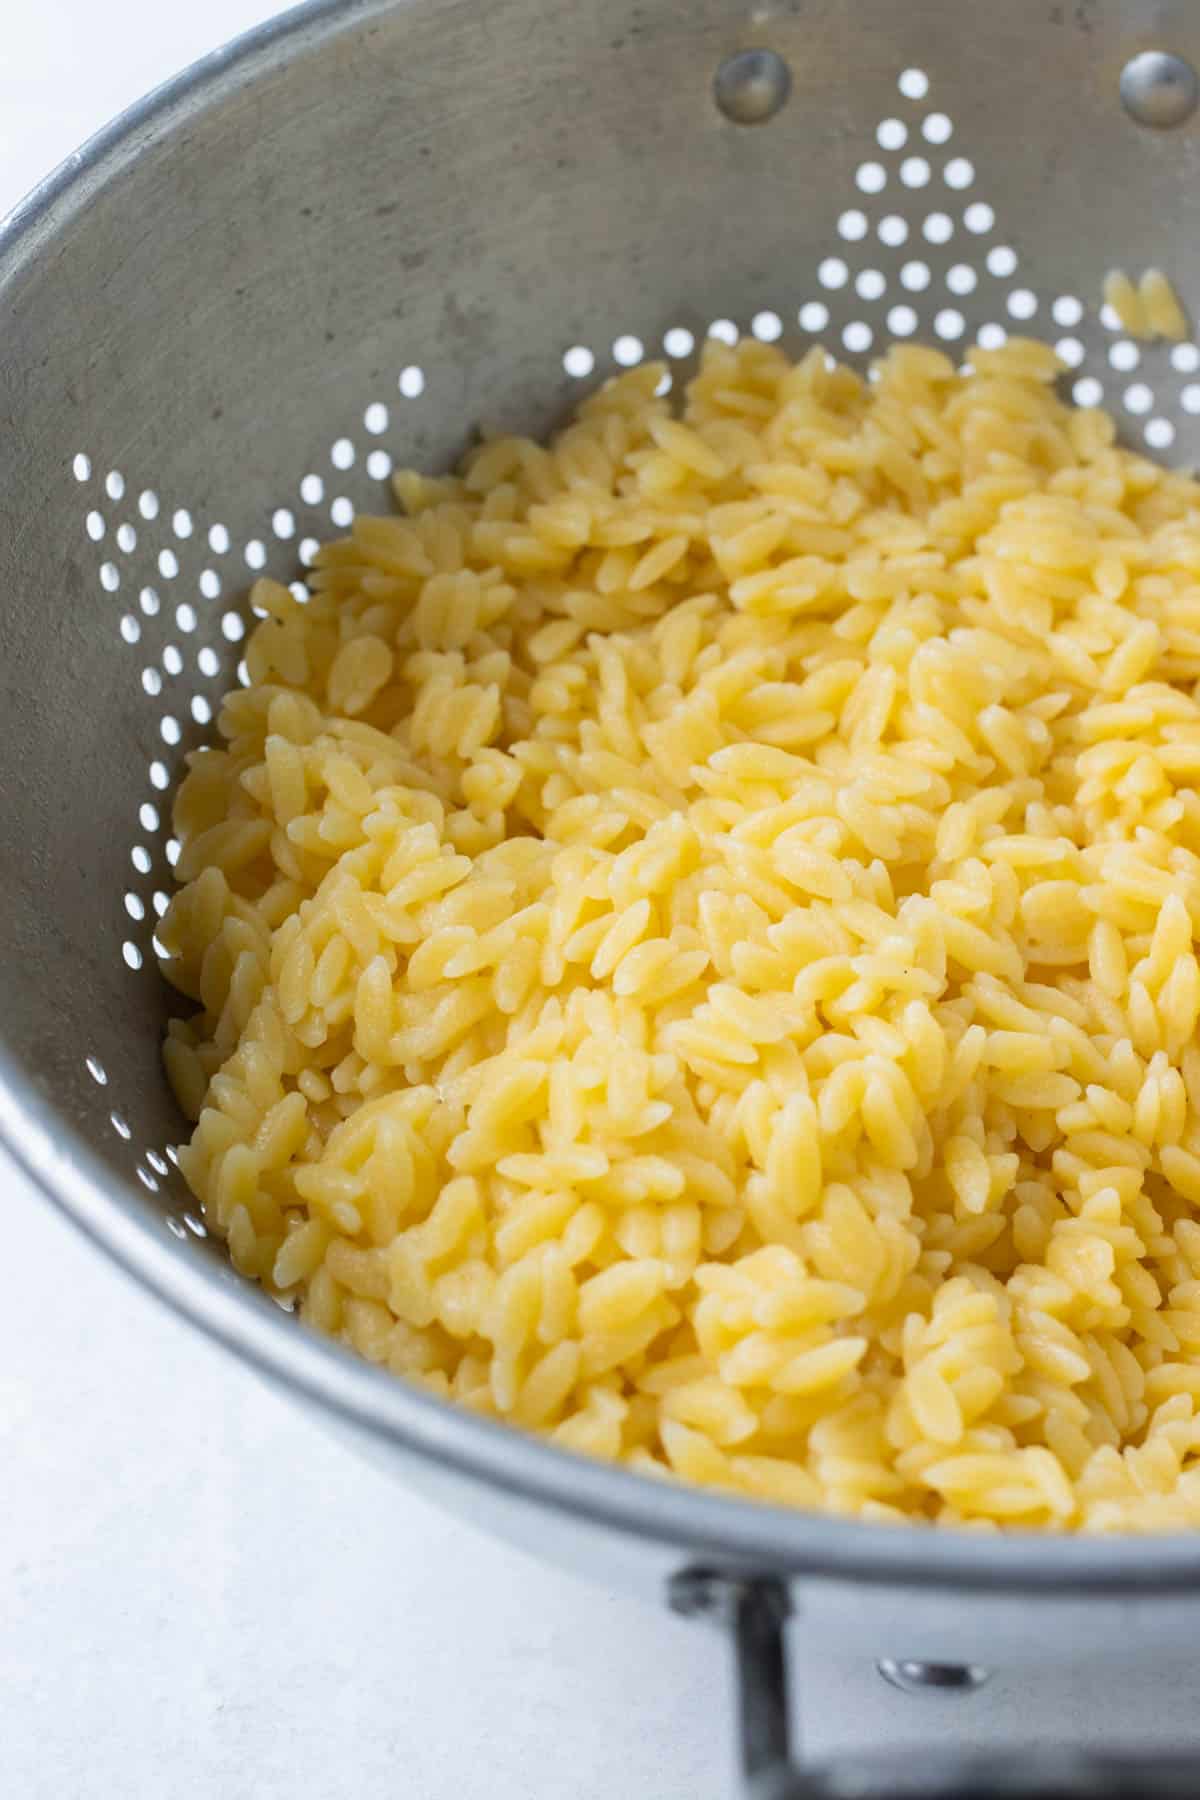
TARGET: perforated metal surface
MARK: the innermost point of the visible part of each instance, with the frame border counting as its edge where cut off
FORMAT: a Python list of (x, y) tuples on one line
[(916, 253), (345, 248), (175, 589)]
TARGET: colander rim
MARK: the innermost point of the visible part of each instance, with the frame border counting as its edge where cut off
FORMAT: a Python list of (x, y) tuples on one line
[(711, 1528)]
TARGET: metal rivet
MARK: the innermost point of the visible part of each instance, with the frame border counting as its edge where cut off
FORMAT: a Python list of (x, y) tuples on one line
[(752, 86), (1159, 89), (933, 1678)]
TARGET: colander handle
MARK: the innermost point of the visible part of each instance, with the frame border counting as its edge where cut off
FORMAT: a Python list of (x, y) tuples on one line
[(754, 1611)]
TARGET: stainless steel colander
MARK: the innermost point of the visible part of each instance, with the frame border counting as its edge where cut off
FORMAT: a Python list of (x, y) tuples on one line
[(349, 240)]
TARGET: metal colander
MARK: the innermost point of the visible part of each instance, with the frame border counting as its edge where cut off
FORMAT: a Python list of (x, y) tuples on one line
[(343, 245)]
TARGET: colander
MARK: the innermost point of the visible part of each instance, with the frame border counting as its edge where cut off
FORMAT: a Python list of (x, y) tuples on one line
[(348, 241)]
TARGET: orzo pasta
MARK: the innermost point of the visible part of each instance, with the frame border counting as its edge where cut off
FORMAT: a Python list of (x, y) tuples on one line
[(694, 932), (1152, 309)]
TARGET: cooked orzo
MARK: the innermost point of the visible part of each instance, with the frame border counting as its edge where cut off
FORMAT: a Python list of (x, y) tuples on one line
[(694, 930)]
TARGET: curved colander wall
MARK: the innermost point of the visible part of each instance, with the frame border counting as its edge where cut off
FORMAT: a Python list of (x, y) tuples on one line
[(348, 245)]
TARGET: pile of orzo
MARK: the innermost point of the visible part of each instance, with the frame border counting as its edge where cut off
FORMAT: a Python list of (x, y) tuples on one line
[(694, 929)]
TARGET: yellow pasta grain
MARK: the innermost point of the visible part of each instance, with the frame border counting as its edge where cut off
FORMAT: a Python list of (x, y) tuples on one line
[(1126, 301), (1161, 309), (1151, 309)]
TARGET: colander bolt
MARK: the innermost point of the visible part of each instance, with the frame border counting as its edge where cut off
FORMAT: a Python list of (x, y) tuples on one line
[(1159, 89), (751, 86), (932, 1678)]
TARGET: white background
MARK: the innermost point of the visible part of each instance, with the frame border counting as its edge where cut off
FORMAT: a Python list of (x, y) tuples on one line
[(201, 1596)]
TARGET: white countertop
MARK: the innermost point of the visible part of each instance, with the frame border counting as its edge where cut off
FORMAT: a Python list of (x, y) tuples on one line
[(202, 1597)]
